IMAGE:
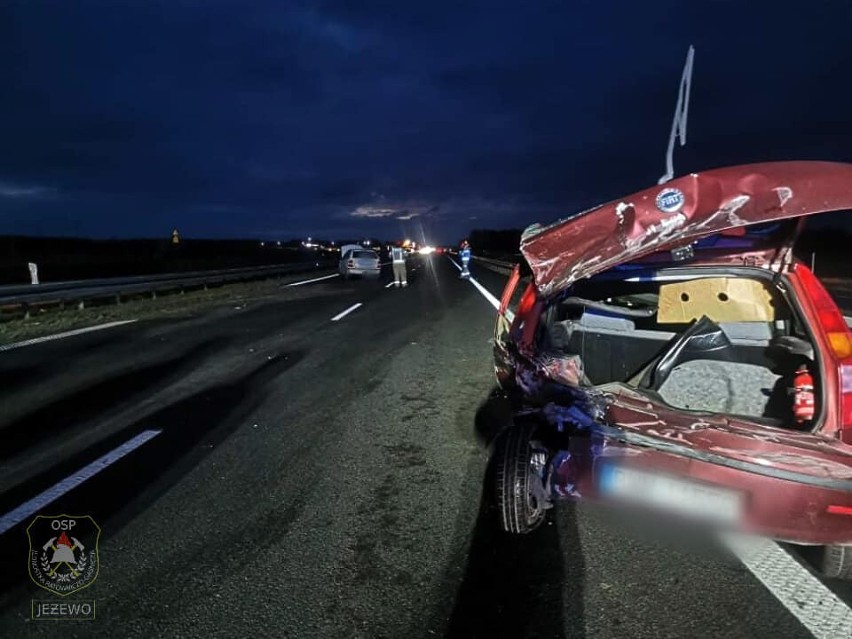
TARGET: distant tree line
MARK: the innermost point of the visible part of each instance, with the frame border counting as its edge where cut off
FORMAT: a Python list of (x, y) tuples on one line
[(495, 242), (829, 248), (75, 258)]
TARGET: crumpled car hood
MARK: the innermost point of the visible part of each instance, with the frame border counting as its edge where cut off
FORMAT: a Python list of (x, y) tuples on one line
[(688, 208)]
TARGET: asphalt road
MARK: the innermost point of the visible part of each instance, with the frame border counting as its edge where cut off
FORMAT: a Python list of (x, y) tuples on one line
[(319, 478)]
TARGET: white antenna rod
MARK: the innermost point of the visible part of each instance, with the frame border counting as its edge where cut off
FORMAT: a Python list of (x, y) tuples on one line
[(681, 111)]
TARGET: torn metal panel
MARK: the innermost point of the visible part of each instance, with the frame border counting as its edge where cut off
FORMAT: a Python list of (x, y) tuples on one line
[(687, 208)]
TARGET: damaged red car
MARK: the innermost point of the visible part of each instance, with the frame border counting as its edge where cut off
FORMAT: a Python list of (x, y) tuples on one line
[(668, 350)]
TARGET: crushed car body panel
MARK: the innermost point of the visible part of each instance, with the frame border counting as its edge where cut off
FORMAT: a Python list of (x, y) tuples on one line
[(682, 210), (714, 292)]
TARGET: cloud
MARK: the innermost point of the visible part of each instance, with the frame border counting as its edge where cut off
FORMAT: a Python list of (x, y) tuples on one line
[(370, 212), (17, 191), (367, 118), (397, 213)]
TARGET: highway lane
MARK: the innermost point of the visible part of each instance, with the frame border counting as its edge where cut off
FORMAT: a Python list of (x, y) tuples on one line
[(326, 479)]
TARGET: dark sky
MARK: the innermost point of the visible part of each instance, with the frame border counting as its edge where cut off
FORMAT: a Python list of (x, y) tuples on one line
[(276, 118)]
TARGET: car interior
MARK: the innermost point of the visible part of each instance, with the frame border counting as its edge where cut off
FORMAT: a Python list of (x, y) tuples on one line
[(704, 343)]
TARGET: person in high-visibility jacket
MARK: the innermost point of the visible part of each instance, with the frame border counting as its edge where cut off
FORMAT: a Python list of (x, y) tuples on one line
[(465, 258), (400, 277)]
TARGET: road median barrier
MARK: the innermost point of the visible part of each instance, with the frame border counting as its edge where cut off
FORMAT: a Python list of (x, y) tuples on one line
[(21, 300)]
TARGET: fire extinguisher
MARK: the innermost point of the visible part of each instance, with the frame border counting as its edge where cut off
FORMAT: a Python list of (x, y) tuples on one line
[(803, 395)]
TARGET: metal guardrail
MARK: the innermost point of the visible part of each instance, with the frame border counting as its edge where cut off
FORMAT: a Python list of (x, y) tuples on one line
[(81, 291), (499, 266)]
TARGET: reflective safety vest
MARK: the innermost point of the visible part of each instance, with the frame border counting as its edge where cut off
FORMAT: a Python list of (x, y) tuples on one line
[(397, 255), (465, 255)]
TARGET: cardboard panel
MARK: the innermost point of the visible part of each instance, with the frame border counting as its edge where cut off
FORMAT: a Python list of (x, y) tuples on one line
[(722, 299)]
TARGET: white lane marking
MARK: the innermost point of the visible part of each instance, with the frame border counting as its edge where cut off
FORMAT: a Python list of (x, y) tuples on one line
[(389, 284), (340, 316), (486, 293), (25, 510), (50, 338), (818, 609), (316, 279)]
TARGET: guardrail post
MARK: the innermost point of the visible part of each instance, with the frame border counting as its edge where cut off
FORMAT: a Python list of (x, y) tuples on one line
[(33, 273)]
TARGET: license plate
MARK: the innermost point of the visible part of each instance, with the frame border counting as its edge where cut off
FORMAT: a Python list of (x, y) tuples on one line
[(679, 496)]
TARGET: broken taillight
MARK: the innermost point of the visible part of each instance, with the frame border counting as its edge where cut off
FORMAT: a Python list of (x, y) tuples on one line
[(509, 290), (839, 339)]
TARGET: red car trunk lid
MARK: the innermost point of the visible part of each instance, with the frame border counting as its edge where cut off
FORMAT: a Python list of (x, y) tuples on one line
[(680, 211)]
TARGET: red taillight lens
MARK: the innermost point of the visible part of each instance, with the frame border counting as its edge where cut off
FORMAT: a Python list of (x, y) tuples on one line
[(831, 320), (839, 339), (351, 263), (527, 300)]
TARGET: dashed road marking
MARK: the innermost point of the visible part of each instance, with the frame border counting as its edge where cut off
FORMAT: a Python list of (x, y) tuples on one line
[(25, 510), (816, 607), (50, 338), (316, 279), (389, 284), (340, 316)]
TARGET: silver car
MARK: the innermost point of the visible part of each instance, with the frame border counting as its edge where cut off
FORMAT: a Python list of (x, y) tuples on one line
[(356, 260)]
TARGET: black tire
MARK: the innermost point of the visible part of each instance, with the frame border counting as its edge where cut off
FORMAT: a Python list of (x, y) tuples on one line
[(837, 562), (521, 510)]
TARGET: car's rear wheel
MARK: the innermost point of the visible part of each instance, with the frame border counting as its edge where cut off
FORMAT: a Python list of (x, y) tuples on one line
[(837, 562), (519, 469)]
